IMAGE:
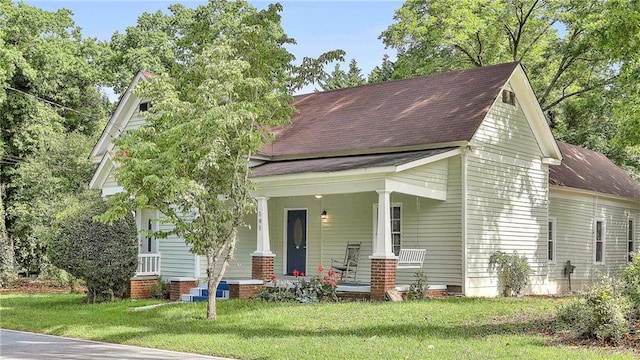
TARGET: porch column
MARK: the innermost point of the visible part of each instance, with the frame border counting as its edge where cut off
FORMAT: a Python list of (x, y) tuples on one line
[(383, 260), (262, 258)]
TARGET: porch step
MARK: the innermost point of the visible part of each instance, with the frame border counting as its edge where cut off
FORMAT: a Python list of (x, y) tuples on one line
[(201, 293)]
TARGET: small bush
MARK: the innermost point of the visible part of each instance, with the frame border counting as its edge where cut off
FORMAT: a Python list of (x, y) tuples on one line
[(513, 271), (600, 313), (418, 289), (631, 283), (104, 256), (321, 287), (160, 290)]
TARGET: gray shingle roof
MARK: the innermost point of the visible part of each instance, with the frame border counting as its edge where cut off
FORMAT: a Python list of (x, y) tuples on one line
[(588, 170), (425, 110)]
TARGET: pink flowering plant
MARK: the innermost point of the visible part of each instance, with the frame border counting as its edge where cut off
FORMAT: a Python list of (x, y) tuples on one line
[(321, 287)]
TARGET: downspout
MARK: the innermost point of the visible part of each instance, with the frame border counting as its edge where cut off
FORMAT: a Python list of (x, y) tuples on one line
[(463, 172)]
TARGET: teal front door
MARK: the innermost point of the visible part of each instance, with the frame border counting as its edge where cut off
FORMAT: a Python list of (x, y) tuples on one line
[(296, 241)]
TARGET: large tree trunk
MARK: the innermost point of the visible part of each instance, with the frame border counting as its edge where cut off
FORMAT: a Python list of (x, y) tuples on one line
[(212, 285)]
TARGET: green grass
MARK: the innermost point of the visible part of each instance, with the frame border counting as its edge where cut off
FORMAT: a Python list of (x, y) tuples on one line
[(439, 329)]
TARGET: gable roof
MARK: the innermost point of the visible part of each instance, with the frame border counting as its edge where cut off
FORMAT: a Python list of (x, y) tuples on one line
[(588, 170), (439, 109), (117, 122)]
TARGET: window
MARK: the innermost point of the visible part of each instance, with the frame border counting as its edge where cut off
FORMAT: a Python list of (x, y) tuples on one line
[(551, 241), (396, 226), (630, 240), (396, 234), (599, 241), (144, 106)]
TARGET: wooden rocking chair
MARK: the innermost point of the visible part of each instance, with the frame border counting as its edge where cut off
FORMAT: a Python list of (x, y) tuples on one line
[(348, 268)]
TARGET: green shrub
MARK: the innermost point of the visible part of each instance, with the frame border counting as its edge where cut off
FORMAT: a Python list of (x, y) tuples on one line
[(601, 312), (418, 289), (513, 271), (160, 290), (104, 256), (631, 283)]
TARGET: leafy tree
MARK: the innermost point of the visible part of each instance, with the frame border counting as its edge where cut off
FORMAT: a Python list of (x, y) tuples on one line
[(577, 53), (104, 256), (382, 73), (49, 76), (212, 108), (50, 178), (339, 79)]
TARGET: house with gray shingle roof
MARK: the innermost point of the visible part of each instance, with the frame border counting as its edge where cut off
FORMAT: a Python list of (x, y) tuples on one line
[(452, 167)]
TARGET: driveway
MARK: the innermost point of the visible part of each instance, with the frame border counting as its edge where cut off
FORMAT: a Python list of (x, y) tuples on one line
[(25, 345)]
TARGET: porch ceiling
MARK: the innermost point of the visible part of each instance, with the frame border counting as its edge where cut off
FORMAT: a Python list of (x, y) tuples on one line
[(347, 174)]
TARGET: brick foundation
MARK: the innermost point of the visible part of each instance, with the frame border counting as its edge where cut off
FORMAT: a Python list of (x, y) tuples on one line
[(179, 286), (383, 277), (261, 267), (353, 296), (237, 291), (140, 287)]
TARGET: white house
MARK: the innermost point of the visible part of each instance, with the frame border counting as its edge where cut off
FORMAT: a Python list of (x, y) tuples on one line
[(460, 164)]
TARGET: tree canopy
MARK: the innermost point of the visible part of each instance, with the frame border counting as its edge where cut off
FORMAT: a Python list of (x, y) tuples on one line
[(50, 77), (581, 57), (212, 110)]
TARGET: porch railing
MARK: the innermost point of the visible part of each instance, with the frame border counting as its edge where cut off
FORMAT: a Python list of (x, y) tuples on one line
[(148, 264)]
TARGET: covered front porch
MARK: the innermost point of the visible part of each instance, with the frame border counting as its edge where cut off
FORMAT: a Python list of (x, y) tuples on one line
[(305, 220)]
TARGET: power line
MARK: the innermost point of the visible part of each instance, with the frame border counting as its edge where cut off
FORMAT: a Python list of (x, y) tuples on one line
[(51, 102)]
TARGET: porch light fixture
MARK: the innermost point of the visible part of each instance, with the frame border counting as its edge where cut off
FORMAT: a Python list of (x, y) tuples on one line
[(323, 214), (318, 196)]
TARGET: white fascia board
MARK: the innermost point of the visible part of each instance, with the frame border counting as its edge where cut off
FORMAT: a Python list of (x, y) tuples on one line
[(551, 161), (533, 113), (409, 189), (557, 191), (105, 138), (319, 187), (101, 174), (428, 160)]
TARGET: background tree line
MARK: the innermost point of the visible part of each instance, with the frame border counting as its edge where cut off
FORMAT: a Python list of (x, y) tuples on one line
[(581, 57)]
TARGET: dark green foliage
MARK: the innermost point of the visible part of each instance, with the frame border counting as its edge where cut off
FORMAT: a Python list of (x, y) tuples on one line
[(160, 290), (103, 255), (631, 283), (513, 271), (601, 313), (418, 289)]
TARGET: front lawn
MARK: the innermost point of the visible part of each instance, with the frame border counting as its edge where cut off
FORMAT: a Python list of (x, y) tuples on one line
[(441, 329)]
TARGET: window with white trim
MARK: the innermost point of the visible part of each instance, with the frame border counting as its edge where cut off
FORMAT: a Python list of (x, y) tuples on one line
[(631, 249), (395, 212), (599, 241), (551, 241)]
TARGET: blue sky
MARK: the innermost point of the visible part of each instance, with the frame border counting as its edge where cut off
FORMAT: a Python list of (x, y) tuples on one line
[(317, 26)]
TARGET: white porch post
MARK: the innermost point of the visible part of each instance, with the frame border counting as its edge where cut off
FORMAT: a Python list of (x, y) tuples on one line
[(382, 246), (263, 247)]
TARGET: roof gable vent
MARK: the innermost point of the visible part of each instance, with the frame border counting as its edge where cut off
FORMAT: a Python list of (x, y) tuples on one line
[(509, 97)]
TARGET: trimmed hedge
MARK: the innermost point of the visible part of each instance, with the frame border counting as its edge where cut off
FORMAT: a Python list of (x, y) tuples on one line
[(104, 256)]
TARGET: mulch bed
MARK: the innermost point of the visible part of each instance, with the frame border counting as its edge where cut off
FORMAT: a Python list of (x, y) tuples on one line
[(28, 286)]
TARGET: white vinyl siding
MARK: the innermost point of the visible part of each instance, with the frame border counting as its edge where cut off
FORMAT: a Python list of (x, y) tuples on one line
[(599, 241), (506, 196), (433, 176), (576, 216)]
